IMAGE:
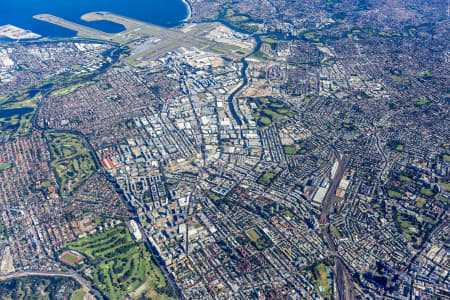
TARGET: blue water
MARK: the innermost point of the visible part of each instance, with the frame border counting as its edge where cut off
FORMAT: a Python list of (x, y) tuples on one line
[(20, 12)]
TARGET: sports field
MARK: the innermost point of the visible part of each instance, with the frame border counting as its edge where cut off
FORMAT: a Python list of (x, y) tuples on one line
[(70, 258), (259, 240)]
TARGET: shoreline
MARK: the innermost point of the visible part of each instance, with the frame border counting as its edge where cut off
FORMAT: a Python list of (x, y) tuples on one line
[(189, 11), (16, 33)]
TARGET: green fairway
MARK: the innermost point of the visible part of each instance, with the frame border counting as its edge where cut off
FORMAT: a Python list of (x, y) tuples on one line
[(445, 186), (5, 166), (69, 89), (260, 55), (405, 226), (415, 227), (311, 36), (420, 202), (273, 115), (71, 160), (16, 115), (426, 192), (264, 121), (270, 40), (213, 196), (269, 110), (240, 21), (120, 265)]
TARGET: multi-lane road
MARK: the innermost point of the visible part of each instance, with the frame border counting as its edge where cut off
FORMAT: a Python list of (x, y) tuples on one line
[(83, 282)]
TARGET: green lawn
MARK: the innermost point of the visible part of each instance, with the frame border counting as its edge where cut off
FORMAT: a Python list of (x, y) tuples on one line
[(252, 235), (213, 196), (77, 295), (77, 67), (427, 219), (394, 194), (290, 150), (420, 101), (276, 105), (242, 22), (335, 232), (399, 148), (271, 41), (405, 178), (267, 178), (426, 192), (70, 258), (396, 78), (16, 115), (395, 145), (420, 202), (445, 186), (273, 115)]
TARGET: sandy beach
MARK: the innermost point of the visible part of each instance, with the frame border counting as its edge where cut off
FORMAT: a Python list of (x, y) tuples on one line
[(188, 5)]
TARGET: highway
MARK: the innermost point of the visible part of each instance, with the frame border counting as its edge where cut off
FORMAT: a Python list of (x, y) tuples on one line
[(83, 282), (343, 279)]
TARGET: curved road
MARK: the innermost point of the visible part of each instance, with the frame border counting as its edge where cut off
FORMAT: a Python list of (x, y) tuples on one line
[(83, 282)]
